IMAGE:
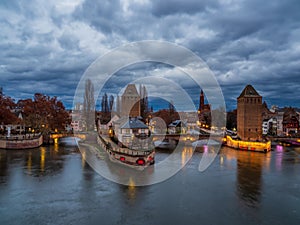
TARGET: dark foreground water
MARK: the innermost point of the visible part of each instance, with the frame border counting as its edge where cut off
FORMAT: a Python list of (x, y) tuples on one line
[(54, 185)]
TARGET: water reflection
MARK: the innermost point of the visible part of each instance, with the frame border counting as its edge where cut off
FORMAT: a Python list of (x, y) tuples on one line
[(29, 163), (279, 157), (131, 191), (43, 155), (249, 177), (186, 153), (239, 190), (42, 161), (3, 165)]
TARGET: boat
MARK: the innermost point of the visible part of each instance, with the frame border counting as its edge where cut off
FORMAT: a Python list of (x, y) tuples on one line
[(201, 143), (256, 146), (21, 142), (165, 144), (291, 142), (134, 158)]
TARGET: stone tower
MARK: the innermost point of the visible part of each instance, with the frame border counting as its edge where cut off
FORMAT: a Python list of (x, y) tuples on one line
[(130, 102), (249, 114)]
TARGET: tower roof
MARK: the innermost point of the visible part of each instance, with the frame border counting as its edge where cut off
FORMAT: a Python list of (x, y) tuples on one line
[(249, 91), (130, 90)]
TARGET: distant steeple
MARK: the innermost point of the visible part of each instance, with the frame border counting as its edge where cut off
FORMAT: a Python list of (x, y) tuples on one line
[(201, 103)]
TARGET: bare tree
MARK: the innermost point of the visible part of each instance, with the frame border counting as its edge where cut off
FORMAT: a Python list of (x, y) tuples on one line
[(111, 103)]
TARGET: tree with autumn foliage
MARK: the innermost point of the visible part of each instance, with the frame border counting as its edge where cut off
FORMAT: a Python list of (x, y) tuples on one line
[(167, 115), (7, 115), (45, 113)]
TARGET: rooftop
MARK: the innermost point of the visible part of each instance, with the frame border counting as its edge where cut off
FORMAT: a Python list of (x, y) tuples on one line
[(249, 91), (134, 123)]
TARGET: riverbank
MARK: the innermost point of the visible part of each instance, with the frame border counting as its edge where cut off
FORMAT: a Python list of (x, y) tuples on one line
[(21, 141)]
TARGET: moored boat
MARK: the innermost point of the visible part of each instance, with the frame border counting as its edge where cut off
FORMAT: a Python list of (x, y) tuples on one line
[(165, 144), (248, 145)]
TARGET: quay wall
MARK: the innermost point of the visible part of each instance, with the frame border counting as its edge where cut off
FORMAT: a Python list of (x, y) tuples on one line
[(17, 143), (276, 139)]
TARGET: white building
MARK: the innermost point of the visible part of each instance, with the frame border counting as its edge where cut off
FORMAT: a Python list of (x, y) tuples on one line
[(75, 124), (132, 133), (269, 126)]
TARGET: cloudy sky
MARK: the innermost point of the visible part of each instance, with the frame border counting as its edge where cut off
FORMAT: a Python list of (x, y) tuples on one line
[(45, 46)]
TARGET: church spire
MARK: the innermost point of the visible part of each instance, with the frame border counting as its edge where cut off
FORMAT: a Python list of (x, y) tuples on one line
[(201, 103)]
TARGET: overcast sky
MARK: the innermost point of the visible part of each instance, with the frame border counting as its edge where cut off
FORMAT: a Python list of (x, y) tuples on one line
[(45, 46)]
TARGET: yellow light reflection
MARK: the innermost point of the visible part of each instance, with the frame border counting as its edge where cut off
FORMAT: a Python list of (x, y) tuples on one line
[(83, 159), (56, 147), (131, 189), (43, 156), (186, 154), (29, 163), (267, 162)]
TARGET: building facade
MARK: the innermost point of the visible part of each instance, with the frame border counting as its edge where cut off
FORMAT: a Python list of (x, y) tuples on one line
[(269, 126), (132, 133), (290, 121), (249, 114)]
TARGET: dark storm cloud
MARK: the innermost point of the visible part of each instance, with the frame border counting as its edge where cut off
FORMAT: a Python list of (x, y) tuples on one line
[(100, 15), (47, 46), (164, 8)]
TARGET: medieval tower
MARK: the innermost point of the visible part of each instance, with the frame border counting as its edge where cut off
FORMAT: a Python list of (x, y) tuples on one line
[(249, 114), (130, 102)]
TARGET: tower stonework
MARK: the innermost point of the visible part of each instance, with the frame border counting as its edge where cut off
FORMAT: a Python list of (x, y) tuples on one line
[(249, 114), (130, 102)]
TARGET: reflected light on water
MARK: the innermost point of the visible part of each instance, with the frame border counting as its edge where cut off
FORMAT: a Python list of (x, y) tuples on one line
[(56, 146), (43, 156), (131, 189), (279, 155), (222, 160), (279, 148), (186, 153), (83, 156), (29, 163), (249, 177), (205, 147)]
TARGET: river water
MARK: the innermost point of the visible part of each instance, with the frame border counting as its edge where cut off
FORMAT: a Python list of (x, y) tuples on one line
[(54, 185)]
